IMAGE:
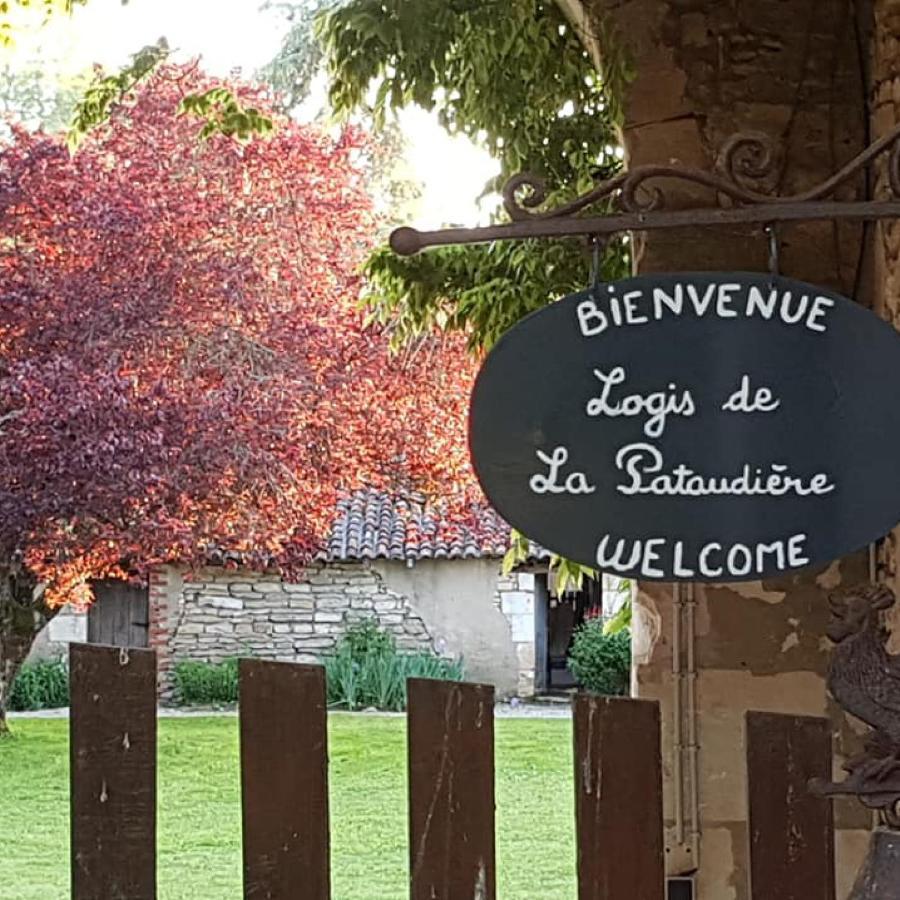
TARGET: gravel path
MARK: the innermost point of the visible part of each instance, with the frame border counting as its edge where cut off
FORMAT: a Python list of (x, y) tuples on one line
[(515, 710)]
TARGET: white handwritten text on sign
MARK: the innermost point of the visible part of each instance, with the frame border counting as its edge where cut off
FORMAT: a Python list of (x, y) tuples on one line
[(696, 427)]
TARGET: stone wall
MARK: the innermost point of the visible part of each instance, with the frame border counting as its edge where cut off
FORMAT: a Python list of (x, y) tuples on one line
[(225, 613), (755, 647), (704, 71), (473, 613), (457, 608), (452, 607), (68, 626)]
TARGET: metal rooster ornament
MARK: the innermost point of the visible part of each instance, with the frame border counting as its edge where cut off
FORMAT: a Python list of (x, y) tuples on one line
[(865, 680)]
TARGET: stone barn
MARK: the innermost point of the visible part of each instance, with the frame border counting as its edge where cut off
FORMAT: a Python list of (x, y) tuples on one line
[(432, 584)]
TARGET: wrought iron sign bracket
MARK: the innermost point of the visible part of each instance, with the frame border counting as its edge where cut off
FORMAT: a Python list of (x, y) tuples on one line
[(633, 202)]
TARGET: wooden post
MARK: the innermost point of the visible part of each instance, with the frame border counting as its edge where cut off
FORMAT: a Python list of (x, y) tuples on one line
[(284, 781), (791, 830), (618, 799), (451, 790), (112, 740)]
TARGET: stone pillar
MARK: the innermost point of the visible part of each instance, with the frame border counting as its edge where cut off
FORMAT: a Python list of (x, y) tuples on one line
[(703, 71), (516, 598), (885, 116), (164, 590)]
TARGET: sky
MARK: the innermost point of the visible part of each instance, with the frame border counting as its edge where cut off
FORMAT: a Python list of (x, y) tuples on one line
[(231, 35)]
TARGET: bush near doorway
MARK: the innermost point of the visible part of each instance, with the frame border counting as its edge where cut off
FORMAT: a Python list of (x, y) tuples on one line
[(601, 663)]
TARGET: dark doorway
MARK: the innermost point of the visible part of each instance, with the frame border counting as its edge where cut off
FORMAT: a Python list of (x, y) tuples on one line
[(563, 615), (119, 615)]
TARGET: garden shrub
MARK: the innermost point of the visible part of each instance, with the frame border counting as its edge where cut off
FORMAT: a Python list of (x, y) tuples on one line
[(40, 685), (367, 669), (206, 684), (600, 662)]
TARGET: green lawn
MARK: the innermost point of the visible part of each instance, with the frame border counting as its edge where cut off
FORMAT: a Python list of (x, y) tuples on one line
[(199, 813)]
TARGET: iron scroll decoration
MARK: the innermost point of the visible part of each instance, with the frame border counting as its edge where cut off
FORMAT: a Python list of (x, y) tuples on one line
[(638, 202), (821, 381), (712, 426)]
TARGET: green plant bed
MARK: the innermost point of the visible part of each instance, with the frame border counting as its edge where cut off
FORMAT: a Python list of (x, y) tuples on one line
[(367, 669), (600, 662), (206, 684), (40, 685)]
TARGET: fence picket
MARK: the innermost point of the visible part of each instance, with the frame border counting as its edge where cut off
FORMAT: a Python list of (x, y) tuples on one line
[(791, 830), (112, 746), (284, 781), (618, 799), (451, 790)]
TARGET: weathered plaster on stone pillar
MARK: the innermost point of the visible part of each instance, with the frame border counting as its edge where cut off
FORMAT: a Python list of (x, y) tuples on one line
[(706, 69), (885, 111)]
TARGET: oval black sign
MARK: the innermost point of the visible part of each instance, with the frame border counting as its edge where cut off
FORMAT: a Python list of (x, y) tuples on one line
[(701, 427)]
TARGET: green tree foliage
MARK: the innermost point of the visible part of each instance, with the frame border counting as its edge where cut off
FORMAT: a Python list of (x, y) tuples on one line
[(514, 78), (292, 73), (106, 90), (218, 108), (292, 70)]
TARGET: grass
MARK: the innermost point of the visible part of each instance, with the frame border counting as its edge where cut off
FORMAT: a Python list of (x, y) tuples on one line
[(199, 811)]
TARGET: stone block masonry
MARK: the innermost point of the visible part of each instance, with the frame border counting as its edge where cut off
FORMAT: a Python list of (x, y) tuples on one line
[(215, 614), (457, 608), (515, 599)]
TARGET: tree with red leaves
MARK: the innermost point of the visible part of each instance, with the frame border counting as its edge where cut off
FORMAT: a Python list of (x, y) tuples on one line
[(183, 366)]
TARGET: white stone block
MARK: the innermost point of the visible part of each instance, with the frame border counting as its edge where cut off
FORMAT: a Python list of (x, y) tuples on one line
[(522, 628), (68, 628), (268, 587), (525, 653), (333, 603), (386, 605), (329, 617), (526, 581), (316, 642), (222, 602), (517, 603)]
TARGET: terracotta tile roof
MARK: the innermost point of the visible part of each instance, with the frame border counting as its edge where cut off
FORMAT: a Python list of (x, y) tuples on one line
[(373, 525)]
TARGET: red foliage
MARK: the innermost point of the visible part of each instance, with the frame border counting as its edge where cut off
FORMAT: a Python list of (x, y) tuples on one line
[(182, 363)]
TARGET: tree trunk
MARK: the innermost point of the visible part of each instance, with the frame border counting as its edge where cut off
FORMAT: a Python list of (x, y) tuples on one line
[(705, 70), (22, 616)]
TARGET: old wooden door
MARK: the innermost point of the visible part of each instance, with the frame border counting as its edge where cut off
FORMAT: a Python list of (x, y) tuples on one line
[(119, 614)]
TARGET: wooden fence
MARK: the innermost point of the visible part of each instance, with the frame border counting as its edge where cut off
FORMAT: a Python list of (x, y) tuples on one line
[(284, 779)]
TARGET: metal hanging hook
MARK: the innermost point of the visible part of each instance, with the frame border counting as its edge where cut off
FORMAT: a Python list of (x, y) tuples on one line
[(772, 236), (598, 245)]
